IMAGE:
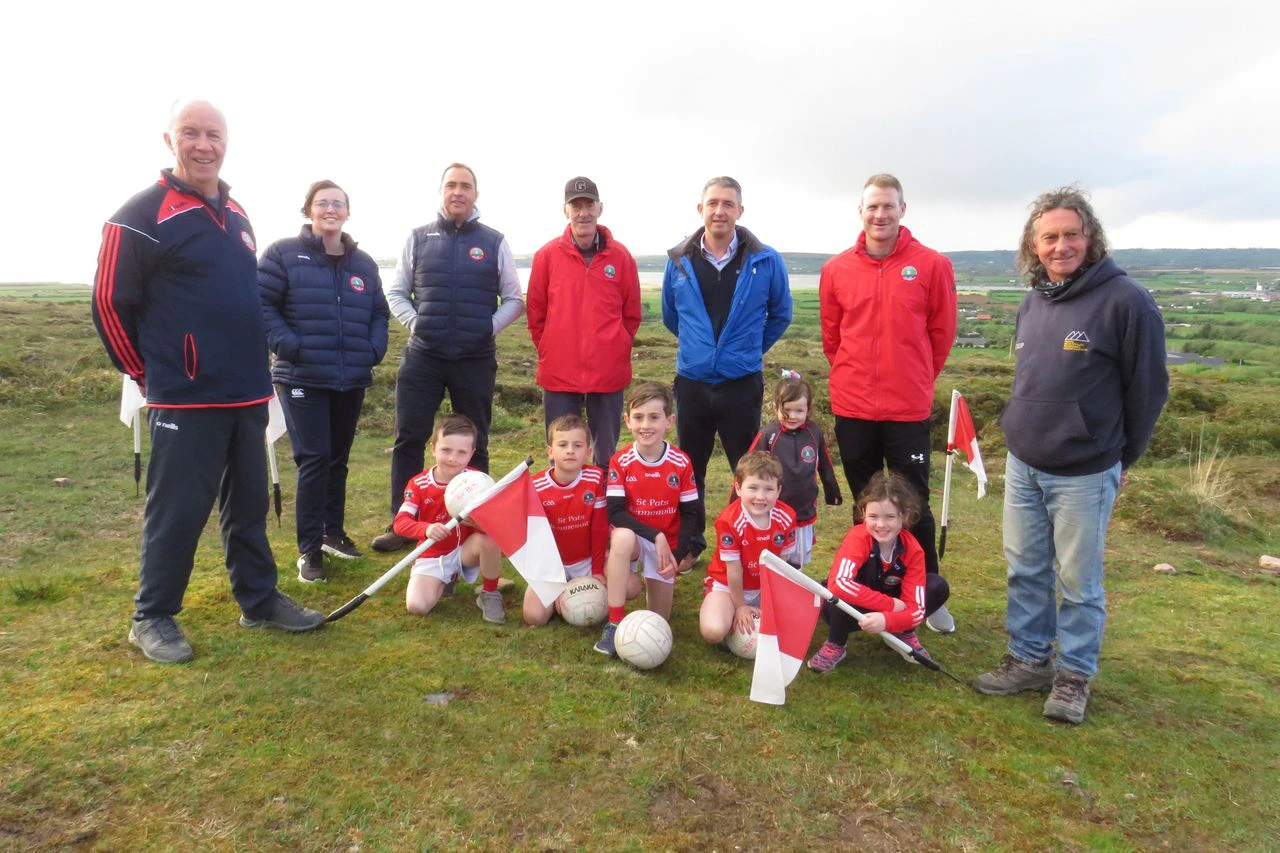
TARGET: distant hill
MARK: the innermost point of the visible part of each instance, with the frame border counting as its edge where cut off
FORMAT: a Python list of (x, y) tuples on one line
[(1001, 262)]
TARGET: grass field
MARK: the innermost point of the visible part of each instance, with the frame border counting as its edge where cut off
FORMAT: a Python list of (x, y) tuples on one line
[(326, 742)]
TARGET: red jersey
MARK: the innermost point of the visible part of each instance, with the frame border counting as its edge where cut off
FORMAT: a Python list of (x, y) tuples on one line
[(653, 490), (576, 511), (738, 538), (869, 580), (423, 506)]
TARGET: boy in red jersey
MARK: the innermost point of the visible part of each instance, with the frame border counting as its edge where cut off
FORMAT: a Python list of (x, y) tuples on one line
[(654, 508), (464, 550), (572, 494), (755, 521)]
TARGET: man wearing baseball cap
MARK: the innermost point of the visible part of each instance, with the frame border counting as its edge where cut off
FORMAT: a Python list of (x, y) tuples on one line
[(583, 308)]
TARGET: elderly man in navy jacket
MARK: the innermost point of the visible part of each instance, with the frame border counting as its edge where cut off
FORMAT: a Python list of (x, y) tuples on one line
[(175, 301)]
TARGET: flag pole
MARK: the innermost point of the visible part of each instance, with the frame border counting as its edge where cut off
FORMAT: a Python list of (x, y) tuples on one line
[(779, 566), (946, 487), (275, 477), (137, 455), (372, 588)]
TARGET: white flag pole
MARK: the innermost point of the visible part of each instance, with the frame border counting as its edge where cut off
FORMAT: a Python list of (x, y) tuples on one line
[(946, 487)]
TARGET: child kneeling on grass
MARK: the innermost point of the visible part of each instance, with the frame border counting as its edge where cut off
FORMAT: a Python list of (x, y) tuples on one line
[(879, 569), (756, 521), (572, 495), (654, 508), (464, 550)]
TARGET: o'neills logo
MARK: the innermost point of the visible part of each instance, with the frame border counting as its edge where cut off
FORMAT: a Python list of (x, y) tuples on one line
[(357, 284), (476, 253), (909, 273), (248, 241)]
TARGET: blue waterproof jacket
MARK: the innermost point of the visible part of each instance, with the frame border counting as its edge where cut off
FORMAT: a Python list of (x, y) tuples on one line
[(326, 322), (759, 314)]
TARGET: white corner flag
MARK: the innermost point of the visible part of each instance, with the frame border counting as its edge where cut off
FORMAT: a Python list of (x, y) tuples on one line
[(131, 400)]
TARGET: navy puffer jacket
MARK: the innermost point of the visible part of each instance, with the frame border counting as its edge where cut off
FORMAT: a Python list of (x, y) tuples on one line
[(326, 322)]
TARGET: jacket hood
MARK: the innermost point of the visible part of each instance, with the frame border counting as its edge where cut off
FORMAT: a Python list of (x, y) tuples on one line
[(746, 241), (447, 221), (1099, 274), (905, 242)]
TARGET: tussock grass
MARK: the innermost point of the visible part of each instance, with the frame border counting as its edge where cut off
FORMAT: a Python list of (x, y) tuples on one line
[(326, 741)]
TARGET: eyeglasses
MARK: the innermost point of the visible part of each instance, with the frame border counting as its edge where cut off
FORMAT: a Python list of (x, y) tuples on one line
[(325, 204)]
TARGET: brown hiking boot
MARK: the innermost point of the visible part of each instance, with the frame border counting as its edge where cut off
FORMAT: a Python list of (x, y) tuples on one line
[(1014, 676), (1069, 697), (389, 541)]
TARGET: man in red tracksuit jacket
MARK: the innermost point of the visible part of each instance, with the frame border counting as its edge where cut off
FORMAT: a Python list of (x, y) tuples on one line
[(888, 308), (583, 308)]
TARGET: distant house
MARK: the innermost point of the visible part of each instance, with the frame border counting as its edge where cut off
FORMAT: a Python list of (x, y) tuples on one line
[(974, 341), (984, 316), (1176, 358)]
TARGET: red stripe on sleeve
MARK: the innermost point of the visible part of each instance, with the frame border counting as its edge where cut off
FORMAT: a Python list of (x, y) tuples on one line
[(104, 290)]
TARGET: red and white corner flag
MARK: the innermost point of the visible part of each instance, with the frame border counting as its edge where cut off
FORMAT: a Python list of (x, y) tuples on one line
[(788, 615), (963, 436), (513, 518)]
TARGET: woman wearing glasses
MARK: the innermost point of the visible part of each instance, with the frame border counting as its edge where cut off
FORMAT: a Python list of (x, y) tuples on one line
[(327, 325)]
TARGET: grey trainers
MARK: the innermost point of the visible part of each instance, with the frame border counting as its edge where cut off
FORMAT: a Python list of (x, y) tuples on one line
[(941, 621), (1069, 697), (605, 645), (490, 604), (287, 615), (341, 547), (161, 640), (1014, 676), (311, 567), (389, 541)]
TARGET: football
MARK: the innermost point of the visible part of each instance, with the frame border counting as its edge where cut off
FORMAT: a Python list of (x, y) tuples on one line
[(583, 602), (744, 645), (643, 639), (463, 488)]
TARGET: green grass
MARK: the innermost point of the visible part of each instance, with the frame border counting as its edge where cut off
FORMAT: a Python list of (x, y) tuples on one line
[(325, 741)]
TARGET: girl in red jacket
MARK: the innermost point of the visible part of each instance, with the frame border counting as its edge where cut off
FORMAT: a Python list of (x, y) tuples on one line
[(879, 569)]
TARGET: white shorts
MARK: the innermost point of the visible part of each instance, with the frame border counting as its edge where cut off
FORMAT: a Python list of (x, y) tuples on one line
[(750, 597), (580, 569), (446, 568), (648, 561), (803, 552)]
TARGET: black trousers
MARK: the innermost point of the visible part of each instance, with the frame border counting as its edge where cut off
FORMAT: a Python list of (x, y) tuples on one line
[(421, 384), (322, 426), (704, 409), (936, 593), (197, 455), (867, 446), (604, 418)]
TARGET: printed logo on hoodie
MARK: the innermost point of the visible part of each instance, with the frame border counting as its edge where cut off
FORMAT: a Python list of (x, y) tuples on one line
[(1076, 342)]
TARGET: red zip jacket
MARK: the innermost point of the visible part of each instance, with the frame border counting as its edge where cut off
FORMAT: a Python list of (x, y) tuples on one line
[(860, 576), (887, 327), (583, 318)]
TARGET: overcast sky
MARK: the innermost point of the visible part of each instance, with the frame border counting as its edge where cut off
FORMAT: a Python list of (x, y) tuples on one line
[(1168, 112)]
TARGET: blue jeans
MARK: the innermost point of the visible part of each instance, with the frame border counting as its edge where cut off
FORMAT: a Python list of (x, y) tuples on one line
[(1048, 517)]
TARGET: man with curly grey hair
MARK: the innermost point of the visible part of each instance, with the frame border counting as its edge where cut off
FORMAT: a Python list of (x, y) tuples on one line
[(1089, 385)]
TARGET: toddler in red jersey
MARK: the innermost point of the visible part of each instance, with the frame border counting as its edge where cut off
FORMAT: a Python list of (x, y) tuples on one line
[(802, 449), (654, 508), (464, 550), (879, 569), (755, 521), (572, 494)]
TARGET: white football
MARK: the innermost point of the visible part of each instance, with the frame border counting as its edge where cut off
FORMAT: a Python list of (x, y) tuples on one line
[(584, 602), (744, 645), (463, 488), (643, 639)]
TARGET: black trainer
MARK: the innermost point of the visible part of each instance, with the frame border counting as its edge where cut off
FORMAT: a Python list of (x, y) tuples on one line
[(341, 546), (311, 567), (287, 615), (161, 640)]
